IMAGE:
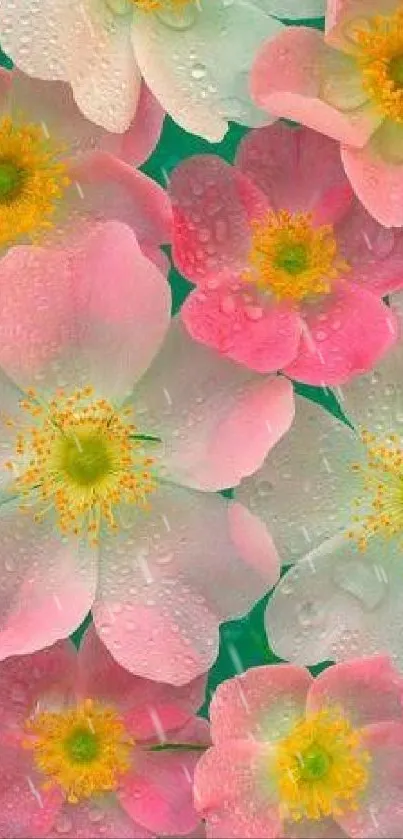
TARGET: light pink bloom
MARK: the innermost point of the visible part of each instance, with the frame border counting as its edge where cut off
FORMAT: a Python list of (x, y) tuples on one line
[(129, 526), (346, 84), (295, 756), (100, 709), (70, 169), (289, 269)]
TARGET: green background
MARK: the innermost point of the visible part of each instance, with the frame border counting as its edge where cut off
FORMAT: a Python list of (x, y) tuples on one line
[(243, 643)]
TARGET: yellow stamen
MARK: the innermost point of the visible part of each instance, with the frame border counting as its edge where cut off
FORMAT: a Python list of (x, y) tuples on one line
[(320, 767), (291, 258), (380, 509), (380, 57), (32, 181), (84, 750), (161, 5), (81, 457)]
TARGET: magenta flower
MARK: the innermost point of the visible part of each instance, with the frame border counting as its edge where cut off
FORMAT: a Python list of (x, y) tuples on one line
[(289, 269), (295, 756), (112, 452), (81, 747), (347, 84)]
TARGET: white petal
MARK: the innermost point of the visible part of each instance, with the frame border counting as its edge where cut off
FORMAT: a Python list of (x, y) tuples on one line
[(292, 9), (36, 36)]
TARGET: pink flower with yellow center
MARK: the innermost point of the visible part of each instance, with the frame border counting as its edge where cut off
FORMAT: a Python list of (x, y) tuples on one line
[(116, 431), (347, 84), (85, 747), (289, 268), (295, 756)]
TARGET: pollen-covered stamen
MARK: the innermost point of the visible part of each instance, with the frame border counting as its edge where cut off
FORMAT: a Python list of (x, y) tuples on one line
[(32, 181), (379, 510), (320, 767), (81, 458), (162, 5), (84, 750), (380, 58), (292, 259)]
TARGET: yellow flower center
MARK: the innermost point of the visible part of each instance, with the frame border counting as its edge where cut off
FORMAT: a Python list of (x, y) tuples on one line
[(80, 457), (380, 509), (162, 5), (32, 181), (83, 750), (292, 259), (380, 58), (320, 768)]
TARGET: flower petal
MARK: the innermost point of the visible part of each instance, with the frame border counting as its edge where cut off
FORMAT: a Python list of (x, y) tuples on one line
[(47, 587), (94, 819), (217, 421), (158, 609), (305, 488), (369, 690), (376, 175), (292, 10), (318, 829), (139, 141), (342, 15), (289, 79), (33, 50), (200, 73), (261, 704), (26, 808), (346, 333)]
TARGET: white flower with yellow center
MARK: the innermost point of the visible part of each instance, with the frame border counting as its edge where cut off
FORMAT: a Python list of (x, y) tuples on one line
[(110, 468), (195, 55)]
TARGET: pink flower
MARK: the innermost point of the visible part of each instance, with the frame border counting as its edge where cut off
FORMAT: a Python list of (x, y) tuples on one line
[(347, 84), (111, 455), (81, 747), (56, 168), (295, 756), (289, 269)]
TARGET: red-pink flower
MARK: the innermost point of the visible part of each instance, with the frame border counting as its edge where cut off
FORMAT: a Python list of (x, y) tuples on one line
[(347, 84), (295, 756), (289, 268), (81, 747)]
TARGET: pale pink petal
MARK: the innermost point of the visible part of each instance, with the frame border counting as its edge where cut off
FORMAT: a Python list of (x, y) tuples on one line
[(76, 315), (289, 80), (241, 326), (211, 218), (380, 811), (139, 141), (345, 334), (309, 829), (26, 680), (47, 587), (10, 414), (30, 45), (298, 169), (26, 809), (150, 706), (109, 189), (260, 704), (253, 541), (159, 607), (5, 85), (216, 419), (375, 253), (377, 178), (99, 818), (157, 793), (234, 793), (369, 690)]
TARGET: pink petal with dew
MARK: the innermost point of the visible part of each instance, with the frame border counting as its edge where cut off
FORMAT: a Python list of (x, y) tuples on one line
[(232, 319), (159, 611), (254, 542), (298, 170), (374, 252), (377, 181), (38, 54), (137, 144), (217, 419), (150, 706), (99, 817), (345, 334), (234, 793), (109, 189), (368, 690), (289, 80), (212, 205), (78, 312), (47, 586), (261, 704), (26, 808), (28, 680), (380, 810), (157, 793)]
